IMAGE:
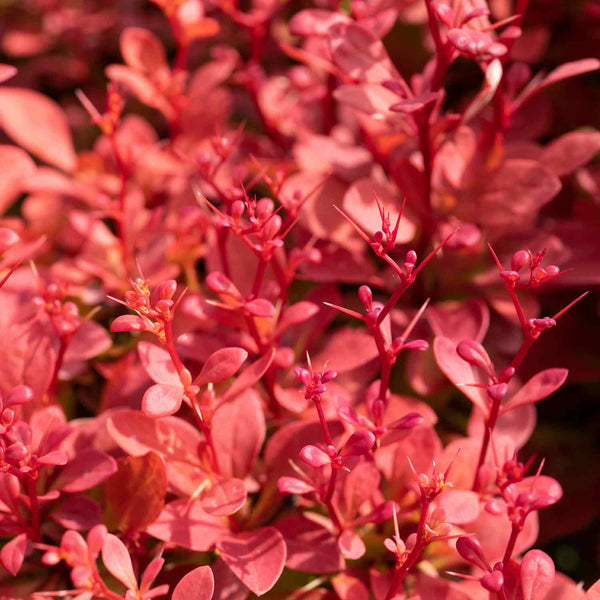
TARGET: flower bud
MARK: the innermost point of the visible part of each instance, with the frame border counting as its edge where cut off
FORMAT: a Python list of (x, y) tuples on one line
[(408, 421), (314, 457), (272, 227), (552, 270), (359, 443), (506, 374), (237, 210), (20, 394), (328, 376), (366, 296), (497, 392), (166, 290), (264, 207), (303, 375), (492, 582), (15, 453), (411, 257), (7, 417), (520, 259), (470, 549), (128, 323)]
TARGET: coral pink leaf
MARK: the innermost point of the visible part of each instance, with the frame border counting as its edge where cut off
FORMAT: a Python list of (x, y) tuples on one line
[(142, 50), (117, 561), (162, 400), (17, 168), (256, 557), (185, 523), (310, 547), (360, 54), (13, 553), (198, 584), (571, 69), (78, 512), (158, 364), (87, 469), (292, 485), (571, 151), (239, 431), (313, 456), (6, 72), (249, 376), (39, 125), (297, 313), (458, 371), (221, 365), (225, 497), (260, 307), (351, 545), (540, 386), (537, 575), (315, 21), (461, 506), (359, 443), (129, 323)]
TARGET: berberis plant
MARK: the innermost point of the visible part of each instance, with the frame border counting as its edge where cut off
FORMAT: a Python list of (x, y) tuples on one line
[(315, 232)]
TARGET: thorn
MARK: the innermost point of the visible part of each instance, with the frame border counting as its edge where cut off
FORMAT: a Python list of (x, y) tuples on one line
[(11, 271), (89, 107), (352, 313), (498, 263), (397, 226), (560, 313), (414, 320), (354, 224), (434, 252)]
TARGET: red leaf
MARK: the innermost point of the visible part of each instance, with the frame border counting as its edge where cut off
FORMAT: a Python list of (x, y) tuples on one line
[(292, 485), (221, 365), (537, 575), (540, 386), (256, 557), (39, 125), (260, 308), (78, 512), (135, 494), (186, 524), (571, 69), (162, 400), (87, 469), (117, 561), (13, 553), (461, 506), (297, 313), (198, 584), (158, 364), (224, 497), (142, 50), (351, 545), (310, 547), (249, 376), (350, 588), (459, 371), (571, 151), (238, 433)]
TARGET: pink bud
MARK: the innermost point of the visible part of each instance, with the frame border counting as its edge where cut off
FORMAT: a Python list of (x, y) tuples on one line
[(506, 374), (470, 549), (511, 276), (520, 259), (493, 581), (20, 394), (328, 376), (237, 210), (552, 270), (475, 354), (366, 296), (15, 453), (359, 443), (303, 375), (272, 227), (7, 417), (497, 392), (411, 257), (378, 410), (8, 238), (544, 323), (264, 207), (314, 457)]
